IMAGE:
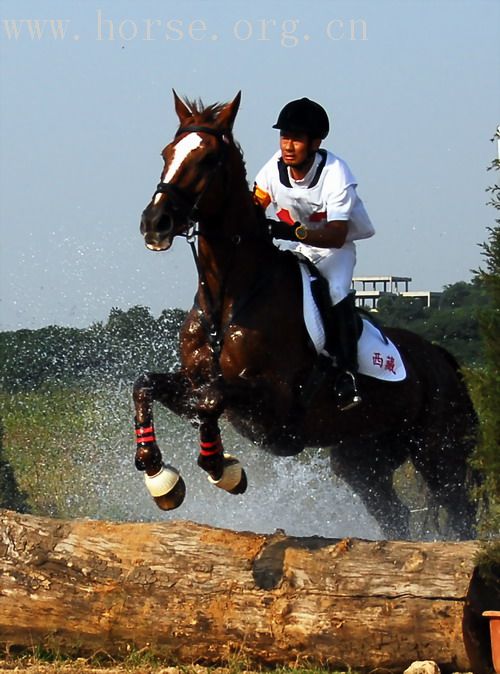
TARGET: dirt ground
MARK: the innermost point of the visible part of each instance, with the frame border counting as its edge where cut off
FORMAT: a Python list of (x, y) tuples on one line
[(81, 666)]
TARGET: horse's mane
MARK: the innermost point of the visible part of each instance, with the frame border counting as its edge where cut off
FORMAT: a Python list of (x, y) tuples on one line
[(201, 113)]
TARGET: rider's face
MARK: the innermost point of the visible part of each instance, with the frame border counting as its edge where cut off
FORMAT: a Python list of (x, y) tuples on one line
[(296, 148)]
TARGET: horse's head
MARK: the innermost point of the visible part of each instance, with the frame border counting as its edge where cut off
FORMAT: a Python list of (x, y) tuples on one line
[(193, 179)]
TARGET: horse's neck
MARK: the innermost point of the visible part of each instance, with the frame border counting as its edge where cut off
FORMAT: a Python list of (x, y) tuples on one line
[(232, 247), (232, 251)]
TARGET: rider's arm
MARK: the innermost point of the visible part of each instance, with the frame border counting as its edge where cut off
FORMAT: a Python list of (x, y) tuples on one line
[(260, 196), (332, 235)]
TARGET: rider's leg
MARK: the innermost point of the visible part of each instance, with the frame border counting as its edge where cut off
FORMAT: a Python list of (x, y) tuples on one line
[(342, 324), (343, 335)]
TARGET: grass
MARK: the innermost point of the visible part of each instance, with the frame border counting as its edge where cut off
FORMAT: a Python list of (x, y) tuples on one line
[(56, 442), (41, 433), (46, 660), (31, 665)]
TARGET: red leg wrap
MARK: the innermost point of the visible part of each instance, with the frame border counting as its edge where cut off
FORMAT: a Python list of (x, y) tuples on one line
[(145, 434), (211, 448)]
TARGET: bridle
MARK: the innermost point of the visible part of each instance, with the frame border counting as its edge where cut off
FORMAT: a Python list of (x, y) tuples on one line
[(183, 203), (189, 209), (180, 199)]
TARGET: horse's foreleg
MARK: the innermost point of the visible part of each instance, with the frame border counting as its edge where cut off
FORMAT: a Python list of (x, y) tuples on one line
[(224, 471), (164, 482)]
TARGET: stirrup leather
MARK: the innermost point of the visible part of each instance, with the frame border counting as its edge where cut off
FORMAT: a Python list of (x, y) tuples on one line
[(348, 398)]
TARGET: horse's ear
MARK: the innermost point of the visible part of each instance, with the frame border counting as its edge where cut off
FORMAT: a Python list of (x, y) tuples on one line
[(182, 110), (227, 115)]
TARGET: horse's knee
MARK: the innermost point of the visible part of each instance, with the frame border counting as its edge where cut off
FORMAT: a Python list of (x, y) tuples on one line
[(210, 402)]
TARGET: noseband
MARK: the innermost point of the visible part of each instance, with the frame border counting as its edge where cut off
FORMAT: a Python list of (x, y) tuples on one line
[(180, 199)]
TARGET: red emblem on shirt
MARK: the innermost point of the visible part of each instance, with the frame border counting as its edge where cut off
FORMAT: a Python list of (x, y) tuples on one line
[(319, 216), (285, 216)]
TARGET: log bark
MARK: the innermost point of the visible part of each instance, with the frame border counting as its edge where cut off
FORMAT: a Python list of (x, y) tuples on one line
[(192, 593)]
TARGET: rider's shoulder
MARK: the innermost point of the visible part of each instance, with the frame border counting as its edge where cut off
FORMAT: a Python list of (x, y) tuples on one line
[(338, 169), (333, 159)]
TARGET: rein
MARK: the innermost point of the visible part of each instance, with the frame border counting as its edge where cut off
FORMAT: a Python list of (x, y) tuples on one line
[(213, 331)]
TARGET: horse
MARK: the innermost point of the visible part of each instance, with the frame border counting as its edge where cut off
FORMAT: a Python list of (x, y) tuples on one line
[(245, 353)]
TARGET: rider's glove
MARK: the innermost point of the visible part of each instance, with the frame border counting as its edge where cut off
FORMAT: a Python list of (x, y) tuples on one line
[(282, 230)]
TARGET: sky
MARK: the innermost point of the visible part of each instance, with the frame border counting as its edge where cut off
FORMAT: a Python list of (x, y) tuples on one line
[(411, 87)]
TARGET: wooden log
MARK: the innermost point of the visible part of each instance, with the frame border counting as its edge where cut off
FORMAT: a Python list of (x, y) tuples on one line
[(192, 593)]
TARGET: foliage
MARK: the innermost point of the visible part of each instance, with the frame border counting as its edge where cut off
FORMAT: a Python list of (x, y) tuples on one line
[(43, 433), (71, 448), (129, 343), (453, 324), (485, 381), (64, 394), (488, 565), (11, 496)]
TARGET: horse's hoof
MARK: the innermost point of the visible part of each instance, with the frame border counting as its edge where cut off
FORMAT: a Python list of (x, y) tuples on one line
[(167, 488), (174, 499), (242, 485), (234, 479)]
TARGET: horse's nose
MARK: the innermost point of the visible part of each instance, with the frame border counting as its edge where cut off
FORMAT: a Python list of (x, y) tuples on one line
[(156, 228), (150, 219)]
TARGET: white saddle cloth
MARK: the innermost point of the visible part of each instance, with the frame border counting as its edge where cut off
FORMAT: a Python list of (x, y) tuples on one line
[(377, 357)]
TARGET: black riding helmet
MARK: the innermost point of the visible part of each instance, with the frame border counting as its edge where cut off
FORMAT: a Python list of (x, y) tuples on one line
[(304, 116)]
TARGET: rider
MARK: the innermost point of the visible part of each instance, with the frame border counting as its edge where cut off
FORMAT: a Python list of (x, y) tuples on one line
[(314, 194)]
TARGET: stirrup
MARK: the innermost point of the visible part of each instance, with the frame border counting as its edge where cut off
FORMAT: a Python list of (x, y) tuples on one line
[(349, 396)]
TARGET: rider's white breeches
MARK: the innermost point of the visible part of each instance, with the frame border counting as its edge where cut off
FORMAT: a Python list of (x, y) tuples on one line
[(338, 268)]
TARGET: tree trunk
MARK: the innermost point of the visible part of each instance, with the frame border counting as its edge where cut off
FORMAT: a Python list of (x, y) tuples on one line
[(193, 593)]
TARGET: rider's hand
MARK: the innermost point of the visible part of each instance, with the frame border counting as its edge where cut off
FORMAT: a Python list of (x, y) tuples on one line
[(282, 230)]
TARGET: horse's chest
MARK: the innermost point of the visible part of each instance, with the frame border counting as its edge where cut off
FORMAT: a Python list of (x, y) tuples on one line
[(239, 350)]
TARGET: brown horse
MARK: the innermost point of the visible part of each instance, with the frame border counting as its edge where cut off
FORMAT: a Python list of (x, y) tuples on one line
[(245, 352)]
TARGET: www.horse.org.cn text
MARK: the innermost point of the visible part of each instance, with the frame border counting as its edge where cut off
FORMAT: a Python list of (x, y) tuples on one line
[(289, 32)]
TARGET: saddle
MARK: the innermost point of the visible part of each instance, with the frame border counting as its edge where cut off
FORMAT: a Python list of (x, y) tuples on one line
[(378, 357)]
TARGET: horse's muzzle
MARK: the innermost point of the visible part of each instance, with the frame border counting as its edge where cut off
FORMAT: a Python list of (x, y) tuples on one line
[(156, 228)]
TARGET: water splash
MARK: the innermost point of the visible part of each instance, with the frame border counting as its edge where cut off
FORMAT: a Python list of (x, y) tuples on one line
[(296, 494)]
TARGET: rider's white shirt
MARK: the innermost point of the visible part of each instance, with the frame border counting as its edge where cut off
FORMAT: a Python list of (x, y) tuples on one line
[(327, 192)]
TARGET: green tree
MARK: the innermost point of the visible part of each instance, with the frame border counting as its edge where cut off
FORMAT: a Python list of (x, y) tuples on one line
[(128, 344), (485, 381), (463, 294), (453, 324)]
